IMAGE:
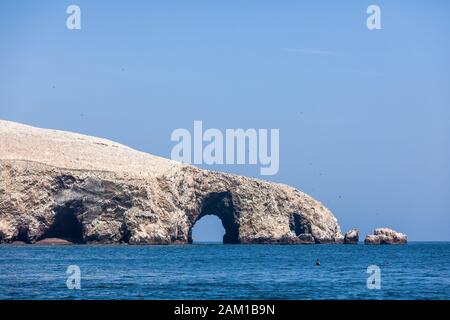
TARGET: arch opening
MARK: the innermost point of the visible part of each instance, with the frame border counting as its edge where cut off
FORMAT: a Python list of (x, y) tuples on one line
[(208, 229), (221, 205), (66, 224)]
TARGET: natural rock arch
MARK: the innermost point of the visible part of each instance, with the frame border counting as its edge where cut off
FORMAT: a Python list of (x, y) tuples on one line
[(221, 205), (137, 198)]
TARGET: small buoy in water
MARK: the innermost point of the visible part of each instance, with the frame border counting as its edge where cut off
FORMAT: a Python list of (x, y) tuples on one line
[(317, 262)]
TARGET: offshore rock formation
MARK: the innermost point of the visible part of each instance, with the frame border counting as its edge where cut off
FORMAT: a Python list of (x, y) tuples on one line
[(61, 185), (351, 237), (385, 236)]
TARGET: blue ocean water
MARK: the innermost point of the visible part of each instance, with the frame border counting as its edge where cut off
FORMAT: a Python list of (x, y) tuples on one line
[(216, 271)]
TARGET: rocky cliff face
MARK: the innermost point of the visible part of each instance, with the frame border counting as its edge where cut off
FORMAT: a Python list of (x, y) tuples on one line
[(56, 184)]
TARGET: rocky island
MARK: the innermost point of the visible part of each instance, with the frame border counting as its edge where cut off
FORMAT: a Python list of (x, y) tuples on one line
[(61, 187), (385, 236)]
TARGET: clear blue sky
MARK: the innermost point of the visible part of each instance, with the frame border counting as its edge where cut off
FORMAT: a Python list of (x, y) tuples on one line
[(363, 115)]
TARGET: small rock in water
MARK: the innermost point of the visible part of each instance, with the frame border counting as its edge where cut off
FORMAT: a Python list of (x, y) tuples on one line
[(18, 243), (351, 237), (306, 238), (386, 236), (54, 241)]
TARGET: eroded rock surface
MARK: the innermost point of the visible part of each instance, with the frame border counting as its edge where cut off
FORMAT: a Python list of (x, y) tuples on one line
[(56, 184), (385, 236)]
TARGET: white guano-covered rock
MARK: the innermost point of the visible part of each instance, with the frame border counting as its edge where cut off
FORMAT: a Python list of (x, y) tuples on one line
[(62, 185)]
